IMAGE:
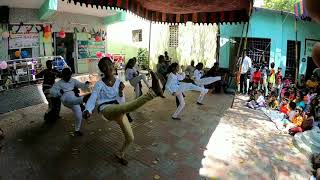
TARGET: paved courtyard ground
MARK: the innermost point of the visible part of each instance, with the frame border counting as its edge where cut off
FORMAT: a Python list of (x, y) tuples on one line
[(163, 148), (246, 145)]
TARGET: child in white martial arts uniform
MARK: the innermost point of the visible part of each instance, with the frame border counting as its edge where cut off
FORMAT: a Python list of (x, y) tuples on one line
[(198, 76), (176, 88), (65, 90), (106, 94), (133, 76)]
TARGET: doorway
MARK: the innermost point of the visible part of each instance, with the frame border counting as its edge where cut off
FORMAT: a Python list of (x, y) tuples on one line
[(311, 66), (65, 47), (291, 64)]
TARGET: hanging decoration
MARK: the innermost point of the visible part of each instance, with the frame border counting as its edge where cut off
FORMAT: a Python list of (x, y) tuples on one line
[(17, 54), (98, 38), (30, 28), (20, 25), (24, 54), (38, 28), (75, 30), (99, 55), (3, 65), (5, 35), (62, 33), (47, 33)]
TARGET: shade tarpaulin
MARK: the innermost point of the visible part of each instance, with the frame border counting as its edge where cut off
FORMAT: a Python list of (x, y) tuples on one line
[(180, 11)]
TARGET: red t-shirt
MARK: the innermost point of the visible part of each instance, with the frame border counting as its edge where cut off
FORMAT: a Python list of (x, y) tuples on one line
[(284, 109), (278, 79), (256, 77)]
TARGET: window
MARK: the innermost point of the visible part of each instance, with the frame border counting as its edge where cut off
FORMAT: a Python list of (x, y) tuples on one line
[(259, 50), (174, 36), (137, 35)]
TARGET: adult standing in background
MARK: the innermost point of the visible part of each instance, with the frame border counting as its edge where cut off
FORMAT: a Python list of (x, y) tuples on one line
[(166, 56), (245, 67)]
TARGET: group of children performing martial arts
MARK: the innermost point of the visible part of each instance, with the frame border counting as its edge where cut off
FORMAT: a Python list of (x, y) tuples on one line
[(108, 96)]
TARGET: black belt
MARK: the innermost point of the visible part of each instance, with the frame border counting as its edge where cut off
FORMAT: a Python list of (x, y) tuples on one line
[(105, 103)]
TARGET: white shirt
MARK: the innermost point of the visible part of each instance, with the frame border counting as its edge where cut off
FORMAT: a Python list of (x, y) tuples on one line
[(173, 83), (197, 74), (131, 73), (246, 65), (67, 87), (190, 70), (292, 113), (102, 93), (260, 101)]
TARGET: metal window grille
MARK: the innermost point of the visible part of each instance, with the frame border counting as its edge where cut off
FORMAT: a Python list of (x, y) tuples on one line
[(137, 35), (259, 50), (291, 57), (174, 36)]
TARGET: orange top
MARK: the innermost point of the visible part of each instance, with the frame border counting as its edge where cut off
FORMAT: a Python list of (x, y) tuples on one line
[(284, 109), (297, 120)]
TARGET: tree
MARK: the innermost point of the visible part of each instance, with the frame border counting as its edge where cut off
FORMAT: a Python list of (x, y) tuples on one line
[(281, 5)]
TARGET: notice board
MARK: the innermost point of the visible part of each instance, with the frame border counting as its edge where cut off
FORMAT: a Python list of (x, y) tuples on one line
[(88, 49)]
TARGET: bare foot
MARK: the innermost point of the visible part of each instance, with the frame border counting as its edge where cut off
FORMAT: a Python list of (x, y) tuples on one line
[(121, 160)]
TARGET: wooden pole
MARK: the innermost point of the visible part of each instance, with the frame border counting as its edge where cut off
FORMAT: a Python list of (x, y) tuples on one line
[(149, 46), (296, 54)]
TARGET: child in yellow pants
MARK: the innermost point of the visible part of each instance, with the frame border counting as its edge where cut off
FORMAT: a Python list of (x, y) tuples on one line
[(106, 95)]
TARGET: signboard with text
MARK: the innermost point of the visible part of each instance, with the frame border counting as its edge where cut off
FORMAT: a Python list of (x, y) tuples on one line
[(24, 40), (88, 49)]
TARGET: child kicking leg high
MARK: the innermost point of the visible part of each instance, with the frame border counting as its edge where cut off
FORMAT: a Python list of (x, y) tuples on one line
[(105, 94)]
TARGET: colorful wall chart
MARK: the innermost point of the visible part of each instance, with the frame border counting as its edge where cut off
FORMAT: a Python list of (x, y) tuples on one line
[(88, 49)]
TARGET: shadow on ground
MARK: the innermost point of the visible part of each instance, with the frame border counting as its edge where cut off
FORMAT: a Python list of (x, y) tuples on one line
[(163, 147)]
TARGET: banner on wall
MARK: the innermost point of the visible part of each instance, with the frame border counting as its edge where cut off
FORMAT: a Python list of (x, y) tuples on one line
[(309, 45), (22, 40), (88, 49)]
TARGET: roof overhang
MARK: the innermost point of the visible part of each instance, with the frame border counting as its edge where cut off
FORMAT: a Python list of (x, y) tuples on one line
[(179, 11)]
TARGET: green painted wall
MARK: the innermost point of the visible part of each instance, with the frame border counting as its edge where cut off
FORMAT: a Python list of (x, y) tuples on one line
[(279, 27), (47, 9)]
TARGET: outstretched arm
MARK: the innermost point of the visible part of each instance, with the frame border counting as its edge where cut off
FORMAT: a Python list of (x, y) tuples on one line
[(81, 85), (91, 103)]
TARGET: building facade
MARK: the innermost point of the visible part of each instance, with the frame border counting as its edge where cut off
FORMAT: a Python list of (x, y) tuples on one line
[(272, 38), (182, 42)]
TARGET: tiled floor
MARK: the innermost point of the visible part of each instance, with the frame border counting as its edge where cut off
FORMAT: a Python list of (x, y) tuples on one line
[(163, 148)]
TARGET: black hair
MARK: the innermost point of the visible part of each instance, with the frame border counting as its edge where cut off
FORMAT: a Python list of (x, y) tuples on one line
[(199, 65), (66, 72), (272, 65), (292, 105), (105, 61), (130, 64), (172, 67), (48, 63), (286, 94), (160, 59)]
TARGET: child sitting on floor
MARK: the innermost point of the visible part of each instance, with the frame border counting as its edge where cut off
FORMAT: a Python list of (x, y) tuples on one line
[(296, 120), (258, 102), (292, 112), (292, 95), (272, 101), (306, 124), (284, 106)]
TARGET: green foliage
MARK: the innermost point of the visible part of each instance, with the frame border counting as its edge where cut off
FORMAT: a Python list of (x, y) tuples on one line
[(281, 5), (143, 58)]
